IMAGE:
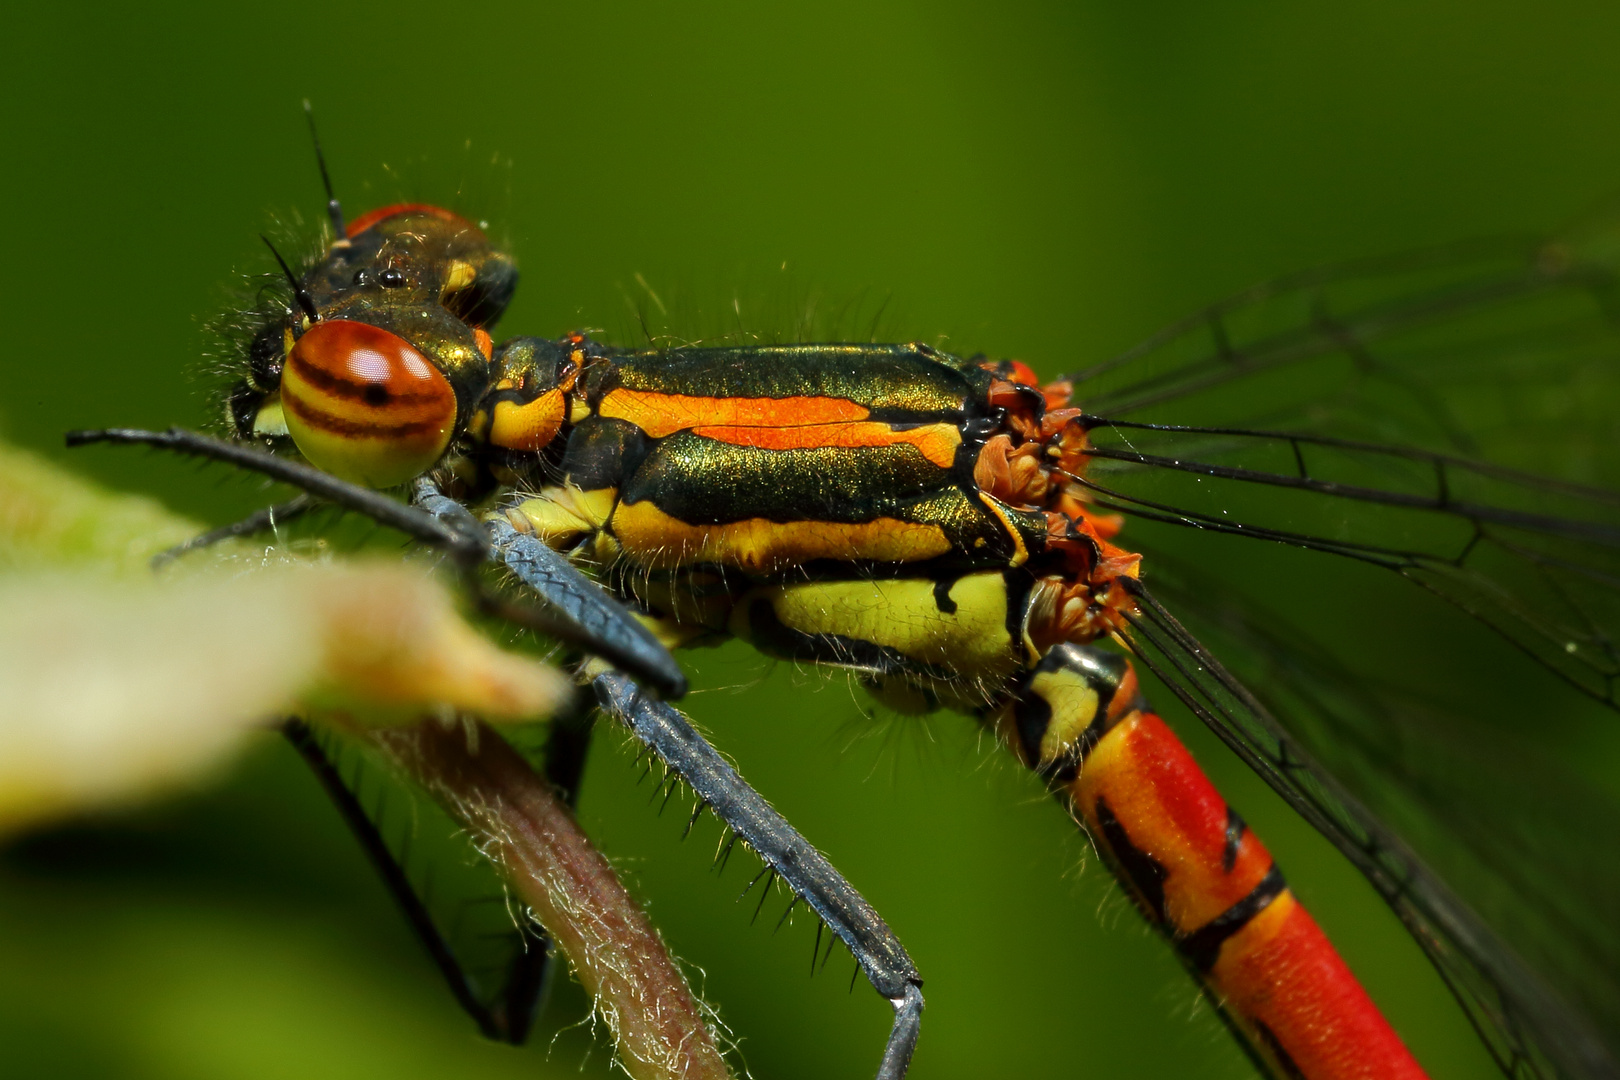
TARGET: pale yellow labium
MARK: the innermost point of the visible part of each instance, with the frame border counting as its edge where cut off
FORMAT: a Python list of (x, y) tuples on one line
[(115, 682)]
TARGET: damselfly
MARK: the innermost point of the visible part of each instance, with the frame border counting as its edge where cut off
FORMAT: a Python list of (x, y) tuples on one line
[(960, 535)]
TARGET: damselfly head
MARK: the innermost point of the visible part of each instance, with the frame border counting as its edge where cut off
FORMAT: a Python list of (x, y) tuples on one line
[(378, 360), (423, 254)]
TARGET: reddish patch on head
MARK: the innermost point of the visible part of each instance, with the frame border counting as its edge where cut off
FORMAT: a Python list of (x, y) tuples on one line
[(367, 220)]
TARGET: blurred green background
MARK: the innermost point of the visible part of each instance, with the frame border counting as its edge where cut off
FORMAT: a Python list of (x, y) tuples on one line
[(1051, 181)]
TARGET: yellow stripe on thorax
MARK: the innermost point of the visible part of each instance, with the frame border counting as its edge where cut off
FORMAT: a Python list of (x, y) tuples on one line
[(530, 426), (761, 546)]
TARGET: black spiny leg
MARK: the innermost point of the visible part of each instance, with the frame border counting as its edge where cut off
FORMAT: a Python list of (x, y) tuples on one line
[(510, 1014), (568, 743), (493, 1022), (787, 855), (256, 522), (528, 980)]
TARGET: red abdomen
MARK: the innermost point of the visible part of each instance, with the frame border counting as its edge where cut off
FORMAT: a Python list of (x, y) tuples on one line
[(1202, 876)]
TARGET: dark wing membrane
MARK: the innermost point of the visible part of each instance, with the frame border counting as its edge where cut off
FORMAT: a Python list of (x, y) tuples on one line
[(1436, 348), (1452, 415), (1527, 991), (1536, 560)]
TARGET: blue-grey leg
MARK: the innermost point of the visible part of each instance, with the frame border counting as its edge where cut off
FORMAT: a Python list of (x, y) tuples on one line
[(602, 626), (585, 615), (587, 618), (787, 855)]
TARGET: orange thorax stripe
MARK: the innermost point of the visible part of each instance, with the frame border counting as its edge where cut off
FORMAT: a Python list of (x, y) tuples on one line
[(790, 423)]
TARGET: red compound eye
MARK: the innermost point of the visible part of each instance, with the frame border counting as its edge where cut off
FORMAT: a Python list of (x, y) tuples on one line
[(364, 404)]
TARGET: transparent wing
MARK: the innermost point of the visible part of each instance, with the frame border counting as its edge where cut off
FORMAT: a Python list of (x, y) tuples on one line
[(1529, 993), (1437, 348), (1536, 560), (1452, 415)]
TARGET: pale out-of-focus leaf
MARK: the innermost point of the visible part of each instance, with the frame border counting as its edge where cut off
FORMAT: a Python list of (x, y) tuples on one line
[(114, 682), (51, 518)]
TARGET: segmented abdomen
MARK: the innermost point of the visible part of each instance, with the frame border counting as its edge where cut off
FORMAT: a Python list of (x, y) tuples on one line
[(1198, 872)]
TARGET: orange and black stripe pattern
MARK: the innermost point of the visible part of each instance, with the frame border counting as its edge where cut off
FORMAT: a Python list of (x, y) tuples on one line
[(762, 460), (1198, 872)]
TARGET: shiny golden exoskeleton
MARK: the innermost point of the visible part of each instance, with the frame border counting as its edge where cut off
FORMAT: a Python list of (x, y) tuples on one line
[(889, 509)]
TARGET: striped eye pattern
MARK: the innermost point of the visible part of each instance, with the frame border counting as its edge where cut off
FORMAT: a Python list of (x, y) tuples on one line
[(364, 404)]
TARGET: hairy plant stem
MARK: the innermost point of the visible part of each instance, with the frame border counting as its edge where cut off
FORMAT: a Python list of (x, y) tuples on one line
[(518, 820)]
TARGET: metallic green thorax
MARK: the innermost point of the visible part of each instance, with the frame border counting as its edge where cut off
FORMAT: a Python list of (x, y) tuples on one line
[(830, 503)]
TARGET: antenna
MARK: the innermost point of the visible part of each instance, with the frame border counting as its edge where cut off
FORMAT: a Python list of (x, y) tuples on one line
[(334, 209), (301, 294)]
